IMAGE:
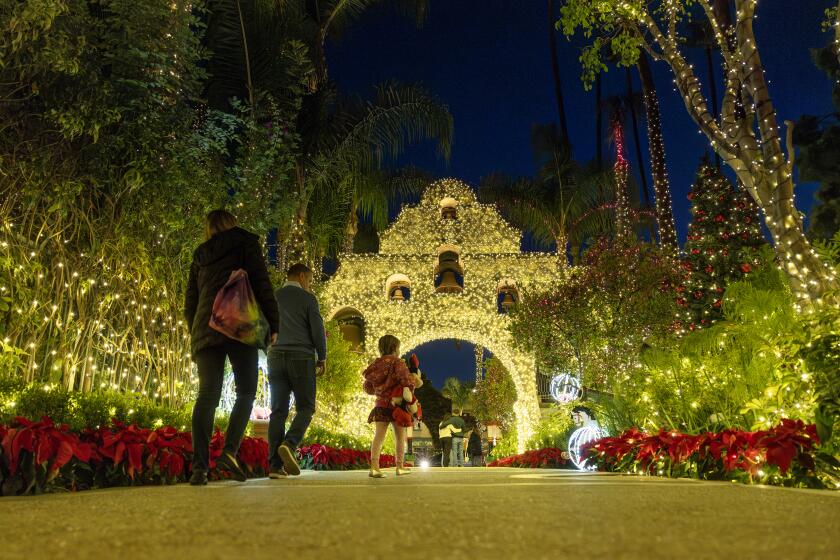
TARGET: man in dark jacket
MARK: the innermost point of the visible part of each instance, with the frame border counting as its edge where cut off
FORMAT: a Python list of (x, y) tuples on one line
[(227, 248), (298, 356), (459, 428)]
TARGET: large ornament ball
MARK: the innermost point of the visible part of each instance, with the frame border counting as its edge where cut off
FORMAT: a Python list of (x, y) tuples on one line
[(564, 388), (578, 439)]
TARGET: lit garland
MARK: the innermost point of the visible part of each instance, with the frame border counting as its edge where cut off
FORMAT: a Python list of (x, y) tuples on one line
[(489, 252)]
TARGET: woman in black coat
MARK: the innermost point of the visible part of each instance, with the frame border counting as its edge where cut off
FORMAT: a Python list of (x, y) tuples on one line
[(226, 249)]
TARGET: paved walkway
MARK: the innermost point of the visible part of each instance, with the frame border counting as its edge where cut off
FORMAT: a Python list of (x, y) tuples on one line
[(438, 513)]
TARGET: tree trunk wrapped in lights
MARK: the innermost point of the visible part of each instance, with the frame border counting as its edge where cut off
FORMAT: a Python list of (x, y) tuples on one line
[(757, 159), (621, 170), (661, 185)]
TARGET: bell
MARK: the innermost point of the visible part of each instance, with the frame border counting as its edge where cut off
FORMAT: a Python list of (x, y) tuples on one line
[(352, 333), (508, 301), (448, 283), (397, 295)]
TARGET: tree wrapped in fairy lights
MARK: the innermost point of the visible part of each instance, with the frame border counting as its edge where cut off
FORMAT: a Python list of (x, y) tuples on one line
[(723, 244)]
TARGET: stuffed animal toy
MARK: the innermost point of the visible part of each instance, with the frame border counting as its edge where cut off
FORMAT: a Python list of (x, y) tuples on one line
[(405, 403)]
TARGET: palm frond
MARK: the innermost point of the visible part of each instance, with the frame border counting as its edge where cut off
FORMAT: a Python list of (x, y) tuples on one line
[(399, 115), (336, 15)]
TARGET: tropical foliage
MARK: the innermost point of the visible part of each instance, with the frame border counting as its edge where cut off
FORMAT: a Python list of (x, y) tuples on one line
[(123, 127)]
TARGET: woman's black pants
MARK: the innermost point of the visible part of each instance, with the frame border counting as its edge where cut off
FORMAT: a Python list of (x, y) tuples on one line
[(211, 373)]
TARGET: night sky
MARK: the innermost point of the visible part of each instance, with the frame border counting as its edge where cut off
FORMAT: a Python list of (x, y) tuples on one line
[(488, 60)]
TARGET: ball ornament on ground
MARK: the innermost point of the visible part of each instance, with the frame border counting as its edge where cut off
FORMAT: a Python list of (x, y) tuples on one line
[(578, 439)]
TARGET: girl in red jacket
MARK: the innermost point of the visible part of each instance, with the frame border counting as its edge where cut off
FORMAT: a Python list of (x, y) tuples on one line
[(385, 374)]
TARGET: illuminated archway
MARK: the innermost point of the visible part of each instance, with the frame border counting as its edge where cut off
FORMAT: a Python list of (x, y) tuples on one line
[(489, 251)]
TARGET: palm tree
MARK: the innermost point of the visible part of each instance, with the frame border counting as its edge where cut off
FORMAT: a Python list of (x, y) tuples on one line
[(562, 206), (555, 71), (599, 124), (633, 101), (341, 142), (459, 392), (373, 197), (345, 143), (656, 146)]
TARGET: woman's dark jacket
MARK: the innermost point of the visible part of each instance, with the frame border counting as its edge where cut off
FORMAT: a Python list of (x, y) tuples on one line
[(212, 264), (474, 446)]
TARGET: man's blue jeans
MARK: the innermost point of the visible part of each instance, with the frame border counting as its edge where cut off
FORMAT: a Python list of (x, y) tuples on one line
[(289, 373), (457, 452)]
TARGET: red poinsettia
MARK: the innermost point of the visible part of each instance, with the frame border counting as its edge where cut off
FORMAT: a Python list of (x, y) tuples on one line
[(723, 452)]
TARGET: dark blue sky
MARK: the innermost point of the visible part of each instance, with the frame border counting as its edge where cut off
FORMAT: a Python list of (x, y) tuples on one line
[(488, 60)]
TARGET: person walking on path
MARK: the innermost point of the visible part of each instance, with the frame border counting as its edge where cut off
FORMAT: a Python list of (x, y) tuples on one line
[(445, 435), (227, 248), (474, 448), (386, 373), (294, 361), (458, 428)]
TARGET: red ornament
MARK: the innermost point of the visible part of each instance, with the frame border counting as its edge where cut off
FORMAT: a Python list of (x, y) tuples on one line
[(698, 294), (716, 304), (746, 268), (719, 218), (709, 269)]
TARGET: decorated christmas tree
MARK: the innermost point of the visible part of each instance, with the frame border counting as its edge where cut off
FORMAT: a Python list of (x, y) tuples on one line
[(723, 244)]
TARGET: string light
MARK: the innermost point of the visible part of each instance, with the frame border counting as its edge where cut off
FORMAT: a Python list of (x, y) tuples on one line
[(723, 244), (488, 250)]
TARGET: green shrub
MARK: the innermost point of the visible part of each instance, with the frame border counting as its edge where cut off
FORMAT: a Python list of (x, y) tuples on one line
[(316, 434), (506, 446), (553, 429), (97, 408)]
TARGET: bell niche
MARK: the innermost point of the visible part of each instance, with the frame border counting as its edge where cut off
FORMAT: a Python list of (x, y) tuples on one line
[(449, 274)]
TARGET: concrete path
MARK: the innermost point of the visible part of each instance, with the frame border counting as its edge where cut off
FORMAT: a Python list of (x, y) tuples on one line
[(437, 513)]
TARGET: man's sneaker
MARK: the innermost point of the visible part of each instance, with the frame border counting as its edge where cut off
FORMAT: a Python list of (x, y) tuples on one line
[(229, 463), (290, 464), (198, 478), (277, 473)]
